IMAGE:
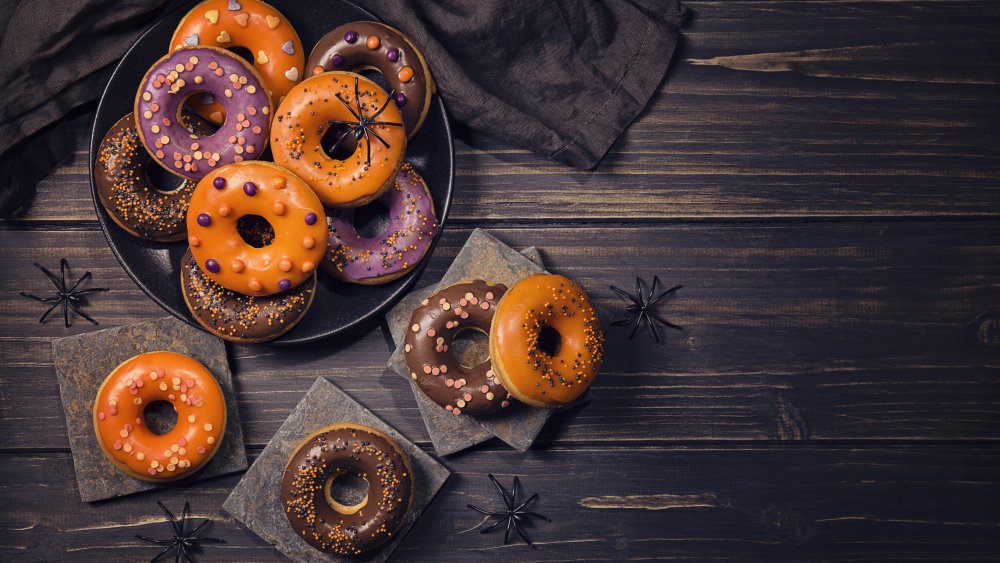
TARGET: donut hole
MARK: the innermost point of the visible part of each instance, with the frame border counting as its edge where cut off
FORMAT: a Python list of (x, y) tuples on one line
[(186, 113), (160, 417), (371, 220), (471, 347), (255, 230), (549, 340), (373, 74), (243, 53), (346, 491), (338, 142), (161, 180)]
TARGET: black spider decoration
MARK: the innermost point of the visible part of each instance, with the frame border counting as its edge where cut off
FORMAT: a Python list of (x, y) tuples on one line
[(69, 297), (513, 514), (183, 542), (363, 126), (641, 308)]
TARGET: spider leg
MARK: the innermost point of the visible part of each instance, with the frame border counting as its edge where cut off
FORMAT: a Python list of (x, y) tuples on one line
[(46, 314), (652, 326), (379, 137), (173, 521), (368, 147), (635, 327), (385, 105), (42, 299), (506, 535), (83, 278), (52, 277), (481, 511), (664, 322), (503, 493), (81, 313), (162, 553), (638, 290), (65, 303), (523, 504), (348, 104), (151, 540), (524, 537), (664, 294), (341, 138), (623, 294), (652, 288), (493, 525), (513, 494), (198, 527)]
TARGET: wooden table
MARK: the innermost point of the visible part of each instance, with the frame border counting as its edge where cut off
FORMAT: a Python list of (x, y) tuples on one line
[(824, 180)]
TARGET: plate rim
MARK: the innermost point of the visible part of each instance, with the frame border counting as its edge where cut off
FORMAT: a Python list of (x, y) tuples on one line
[(287, 339)]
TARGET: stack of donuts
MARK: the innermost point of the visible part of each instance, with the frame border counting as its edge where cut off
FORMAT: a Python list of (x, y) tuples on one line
[(545, 344), (274, 155)]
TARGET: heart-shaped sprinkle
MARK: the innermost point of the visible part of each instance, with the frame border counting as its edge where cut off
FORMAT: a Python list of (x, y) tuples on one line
[(242, 19), (224, 37), (272, 21), (212, 16), (192, 39), (292, 74), (288, 48), (234, 6), (262, 57)]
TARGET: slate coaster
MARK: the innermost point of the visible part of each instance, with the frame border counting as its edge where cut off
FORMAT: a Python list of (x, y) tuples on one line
[(83, 361), (486, 258), (256, 500)]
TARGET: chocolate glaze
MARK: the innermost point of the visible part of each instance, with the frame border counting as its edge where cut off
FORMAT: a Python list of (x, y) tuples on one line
[(126, 192), (438, 373), (331, 452), (357, 55), (242, 318)]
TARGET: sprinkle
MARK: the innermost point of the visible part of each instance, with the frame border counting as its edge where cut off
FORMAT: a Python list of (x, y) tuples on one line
[(191, 418), (415, 327), (207, 427)]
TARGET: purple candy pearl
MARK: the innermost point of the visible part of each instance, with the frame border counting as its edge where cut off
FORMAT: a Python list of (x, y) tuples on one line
[(400, 99), (250, 188), (219, 183), (204, 219), (337, 60), (212, 265), (284, 284), (351, 36), (311, 218), (392, 54)]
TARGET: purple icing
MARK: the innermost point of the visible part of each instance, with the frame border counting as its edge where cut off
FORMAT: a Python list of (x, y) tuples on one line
[(159, 98), (250, 188), (219, 183), (204, 219), (311, 218), (284, 284), (392, 54), (400, 99), (212, 265), (337, 60), (351, 36), (412, 228)]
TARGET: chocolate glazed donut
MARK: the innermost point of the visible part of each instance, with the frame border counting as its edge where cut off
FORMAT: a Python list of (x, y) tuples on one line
[(427, 347), (364, 45), (325, 523)]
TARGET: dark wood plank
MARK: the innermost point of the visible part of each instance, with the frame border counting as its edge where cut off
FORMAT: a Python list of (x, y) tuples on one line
[(774, 108), (899, 503), (813, 331)]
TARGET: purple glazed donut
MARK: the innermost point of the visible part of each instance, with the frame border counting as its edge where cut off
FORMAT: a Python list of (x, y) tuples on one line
[(412, 228), (211, 72)]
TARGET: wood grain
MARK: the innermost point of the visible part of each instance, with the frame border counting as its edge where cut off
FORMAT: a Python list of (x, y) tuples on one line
[(812, 331), (757, 504)]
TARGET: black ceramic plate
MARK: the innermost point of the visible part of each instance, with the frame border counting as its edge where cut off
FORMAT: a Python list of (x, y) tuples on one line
[(338, 306)]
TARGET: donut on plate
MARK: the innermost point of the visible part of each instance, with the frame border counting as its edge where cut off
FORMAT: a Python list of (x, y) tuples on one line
[(546, 342), (473, 390), (256, 189), (321, 520), (366, 45), (126, 192), (348, 112), (390, 255), (196, 70), (248, 24), (160, 376), (242, 318)]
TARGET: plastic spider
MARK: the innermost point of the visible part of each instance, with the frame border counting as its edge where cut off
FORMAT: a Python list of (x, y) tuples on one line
[(182, 542), (641, 308), (363, 127), (69, 297), (512, 514)]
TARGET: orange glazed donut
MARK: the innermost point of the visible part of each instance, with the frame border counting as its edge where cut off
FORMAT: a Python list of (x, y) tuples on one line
[(283, 200), (249, 24), (355, 114), (546, 342), (151, 377)]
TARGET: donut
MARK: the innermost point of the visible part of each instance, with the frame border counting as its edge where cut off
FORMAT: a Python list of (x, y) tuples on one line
[(271, 192), (192, 70), (242, 318), (405, 242), (365, 45), (352, 110), (248, 24), (427, 348), (126, 192), (546, 341), (159, 376), (328, 525)]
